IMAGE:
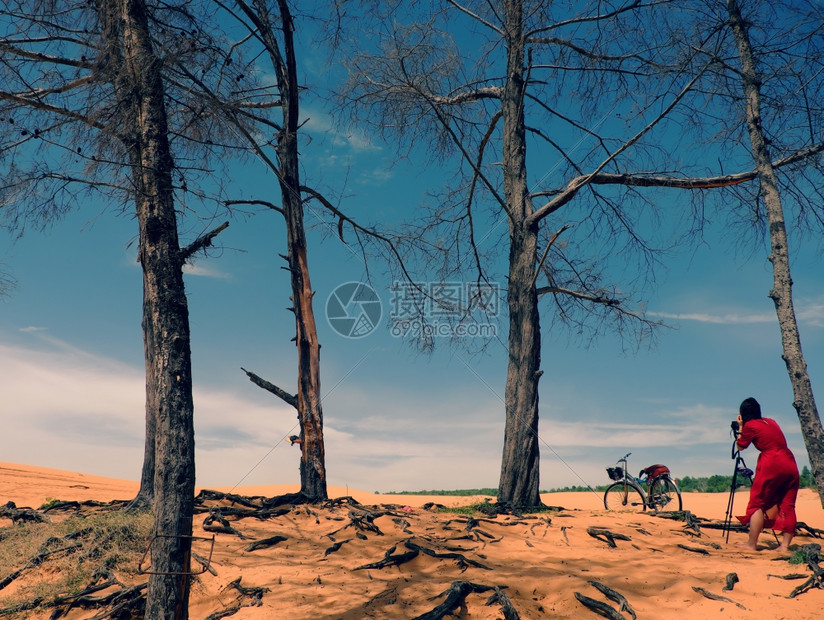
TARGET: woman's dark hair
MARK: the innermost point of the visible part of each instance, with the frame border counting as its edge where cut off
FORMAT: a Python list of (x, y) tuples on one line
[(750, 410)]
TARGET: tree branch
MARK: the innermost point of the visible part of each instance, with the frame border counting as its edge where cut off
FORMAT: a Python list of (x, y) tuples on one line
[(271, 387), (265, 203), (598, 299), (204, 241), (643, 180)]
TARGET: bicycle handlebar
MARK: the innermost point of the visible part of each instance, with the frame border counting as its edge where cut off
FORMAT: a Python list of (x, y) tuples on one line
[(624, 458)]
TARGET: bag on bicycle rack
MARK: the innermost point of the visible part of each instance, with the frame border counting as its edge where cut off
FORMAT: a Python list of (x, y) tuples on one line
[(615, 473), (653, 471)]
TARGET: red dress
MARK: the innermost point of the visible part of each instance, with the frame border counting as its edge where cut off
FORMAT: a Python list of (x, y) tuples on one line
[(776, 475)]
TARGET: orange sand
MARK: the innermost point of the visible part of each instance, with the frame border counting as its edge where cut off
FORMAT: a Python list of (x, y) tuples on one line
[(540, 561)]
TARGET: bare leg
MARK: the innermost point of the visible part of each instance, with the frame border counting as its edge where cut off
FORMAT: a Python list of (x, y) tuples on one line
[(786, 539), (756, 525)]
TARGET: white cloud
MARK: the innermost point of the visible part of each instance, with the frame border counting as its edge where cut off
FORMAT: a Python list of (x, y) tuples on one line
[(320, 124), (68, 408), (726, 319), (809, 311), (197, 269)]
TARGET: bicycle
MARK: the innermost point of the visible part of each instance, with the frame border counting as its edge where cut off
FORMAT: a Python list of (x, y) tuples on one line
[(661, 493)]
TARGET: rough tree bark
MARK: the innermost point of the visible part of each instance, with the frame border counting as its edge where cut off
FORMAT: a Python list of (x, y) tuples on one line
[(308, 399), (520, 466), (781, 293), (165, 323), (310, 413)]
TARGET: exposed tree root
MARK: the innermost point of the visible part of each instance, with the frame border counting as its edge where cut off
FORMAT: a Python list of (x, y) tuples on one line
[(812, 553), (391, 560), (729, 582), (599, 607), (613, 595), (803, 528), (223, 526), (694, 549), (456, 597), (39, 559), (608, 537), (716, 597), (500, 597), (266, 542), (335, 547), (462, 561), (25, 515), (248, 597)]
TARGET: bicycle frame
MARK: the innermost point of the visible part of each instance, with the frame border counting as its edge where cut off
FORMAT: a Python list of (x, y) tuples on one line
[(628, 491), (631, 482)]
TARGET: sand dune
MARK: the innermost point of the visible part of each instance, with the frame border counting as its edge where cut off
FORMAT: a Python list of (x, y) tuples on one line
[(539, 561)]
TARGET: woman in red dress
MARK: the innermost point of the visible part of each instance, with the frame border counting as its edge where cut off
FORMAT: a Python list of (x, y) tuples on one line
[(775, 486)]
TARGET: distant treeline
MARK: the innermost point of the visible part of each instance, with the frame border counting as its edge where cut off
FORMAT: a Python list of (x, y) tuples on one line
[(687, 484), (488, 491)]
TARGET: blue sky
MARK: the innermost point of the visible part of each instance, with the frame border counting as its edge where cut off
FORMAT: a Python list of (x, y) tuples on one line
[(71, 357), (71, 366)]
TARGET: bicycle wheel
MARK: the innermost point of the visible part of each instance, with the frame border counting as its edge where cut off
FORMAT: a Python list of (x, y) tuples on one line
[(624, 496), (664, 495)]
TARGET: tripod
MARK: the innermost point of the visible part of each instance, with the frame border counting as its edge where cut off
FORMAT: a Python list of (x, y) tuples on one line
[(742, 469)]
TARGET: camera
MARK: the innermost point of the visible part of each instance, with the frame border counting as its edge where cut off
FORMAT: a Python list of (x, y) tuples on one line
[(734, 426)]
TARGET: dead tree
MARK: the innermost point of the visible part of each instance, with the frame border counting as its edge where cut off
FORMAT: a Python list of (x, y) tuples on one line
[(85, 118), (275, 35), (105, 102), (781, 294), (500, 119)]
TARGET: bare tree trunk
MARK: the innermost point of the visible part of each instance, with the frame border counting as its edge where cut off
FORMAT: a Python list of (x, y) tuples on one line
[(520, 465), (310, 412), (165, 326), (112, 63), (781, 294), (145, 495)]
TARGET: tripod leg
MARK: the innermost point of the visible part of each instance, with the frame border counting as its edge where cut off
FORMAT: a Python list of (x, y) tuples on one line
[(728, 518)]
